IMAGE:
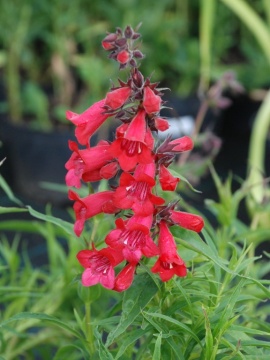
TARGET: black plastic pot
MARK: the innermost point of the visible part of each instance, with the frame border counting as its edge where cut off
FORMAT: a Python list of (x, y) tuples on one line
[(34, 157)]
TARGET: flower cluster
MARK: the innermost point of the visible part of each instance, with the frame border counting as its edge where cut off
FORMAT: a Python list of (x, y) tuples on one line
[(139, 163)]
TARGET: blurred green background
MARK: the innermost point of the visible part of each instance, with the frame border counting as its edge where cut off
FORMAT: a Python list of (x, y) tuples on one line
[(51, 58)]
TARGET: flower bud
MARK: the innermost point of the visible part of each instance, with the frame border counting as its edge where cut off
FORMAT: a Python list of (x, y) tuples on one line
[(124, 279), (151, 101), (123, 57)]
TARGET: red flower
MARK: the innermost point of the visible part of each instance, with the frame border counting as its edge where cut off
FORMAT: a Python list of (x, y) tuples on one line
[(151, 101), (133, 146), (99, 266), (161, 124), (167, 181), (133, 238), (125, 278), (88, 122), (116, 98), (181, 144), (123, 57), (186, 220), (135, 191), (91, 205), (169, 262), (83, 163)]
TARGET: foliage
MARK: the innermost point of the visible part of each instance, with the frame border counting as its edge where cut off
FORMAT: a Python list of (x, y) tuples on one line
[(219, 311)]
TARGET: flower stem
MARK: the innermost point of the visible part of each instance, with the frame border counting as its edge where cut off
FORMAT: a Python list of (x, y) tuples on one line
[(88, 328)]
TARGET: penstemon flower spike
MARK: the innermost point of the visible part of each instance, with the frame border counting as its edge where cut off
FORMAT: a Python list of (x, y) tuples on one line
[(140, 164)]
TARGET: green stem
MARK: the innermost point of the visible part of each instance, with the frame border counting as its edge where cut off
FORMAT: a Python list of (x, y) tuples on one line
[(256, 155), (88, 328), (253, 22), (206, 29)]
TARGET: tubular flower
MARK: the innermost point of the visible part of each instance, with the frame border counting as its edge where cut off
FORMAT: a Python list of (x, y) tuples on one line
[(132, 148), (186, 220), (83, 162), (91, 205), (169, 262), (133, 238), (167, 181), (151, 101), (88, 122), (116, 98), (135, 191), (125, 278), (99, 266)]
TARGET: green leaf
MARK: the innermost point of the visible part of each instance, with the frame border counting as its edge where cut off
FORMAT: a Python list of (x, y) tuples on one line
[(135, 300), (8, 191), (171, 320), (6, 210), (66, 226), (130, 339), (66, 351), (175, 173), (157, 350), (42, 317)]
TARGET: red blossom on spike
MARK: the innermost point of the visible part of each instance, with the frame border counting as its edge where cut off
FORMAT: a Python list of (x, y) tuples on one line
[(188, 221), (167, 180), (116, 98), (169, 262), (99, 266), (132, 238), (87, 161), (91, 205), (151, 101), (135, 191), (88, 122), (125, 278), (133, 147)]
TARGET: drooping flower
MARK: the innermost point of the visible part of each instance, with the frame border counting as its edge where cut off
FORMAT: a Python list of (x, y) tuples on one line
[(91, 205), (125, 278), (132, 147), (132, 237), (83, 164), (99, 266), (88, 122), (167, 180), (135, 191), (169, 262), (117, 97), (151, 101)]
